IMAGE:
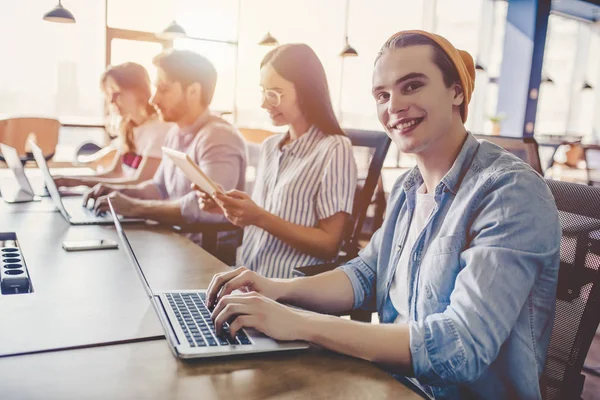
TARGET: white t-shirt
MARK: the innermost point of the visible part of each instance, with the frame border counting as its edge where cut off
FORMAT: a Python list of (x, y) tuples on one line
[(148, 140), (149, 137), (425, 203)]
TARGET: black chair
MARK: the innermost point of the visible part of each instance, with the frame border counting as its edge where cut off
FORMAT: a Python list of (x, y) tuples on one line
[(526, 148), (219, 239), (377, 144), (578, 294)]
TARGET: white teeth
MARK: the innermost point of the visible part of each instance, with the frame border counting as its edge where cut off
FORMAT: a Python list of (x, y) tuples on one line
[(405, 125)]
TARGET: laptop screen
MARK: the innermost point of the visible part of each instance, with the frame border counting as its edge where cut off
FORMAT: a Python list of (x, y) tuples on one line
[(129, 250), (52, 189), (14, 163)]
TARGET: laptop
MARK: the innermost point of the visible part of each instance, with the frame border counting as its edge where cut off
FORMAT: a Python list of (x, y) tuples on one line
[(24, 192), (188, 327), (70, 207)]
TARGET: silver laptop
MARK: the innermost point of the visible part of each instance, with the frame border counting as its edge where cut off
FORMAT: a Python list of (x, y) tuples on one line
[(188, 326), (23, 192), (71, 208)]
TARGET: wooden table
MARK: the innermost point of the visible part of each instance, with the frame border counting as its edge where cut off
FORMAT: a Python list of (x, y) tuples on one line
[(89, 298), (148, 370), (90, 332)]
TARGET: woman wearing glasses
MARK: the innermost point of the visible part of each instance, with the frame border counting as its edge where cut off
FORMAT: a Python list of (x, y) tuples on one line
[(306, 178), (140, 134)]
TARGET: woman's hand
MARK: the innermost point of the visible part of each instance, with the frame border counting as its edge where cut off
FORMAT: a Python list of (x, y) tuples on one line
[(239, 208), (206, 202)]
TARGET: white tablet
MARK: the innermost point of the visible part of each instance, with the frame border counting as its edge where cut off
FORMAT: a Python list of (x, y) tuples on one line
[(192, 170)]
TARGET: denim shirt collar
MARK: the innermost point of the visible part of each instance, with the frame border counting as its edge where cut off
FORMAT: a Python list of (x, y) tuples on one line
[(453, 178)]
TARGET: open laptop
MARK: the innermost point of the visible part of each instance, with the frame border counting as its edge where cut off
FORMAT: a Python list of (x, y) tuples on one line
[(23, 192), (188, 326), (71, 208)]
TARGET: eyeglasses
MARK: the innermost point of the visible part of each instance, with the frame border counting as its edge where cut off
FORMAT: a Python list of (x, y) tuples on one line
[(271, 97)]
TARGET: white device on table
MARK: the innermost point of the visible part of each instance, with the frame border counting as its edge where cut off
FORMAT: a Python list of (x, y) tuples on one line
[(93, 244), (192, 170), (24, 192), (187, 323), (70, 207)]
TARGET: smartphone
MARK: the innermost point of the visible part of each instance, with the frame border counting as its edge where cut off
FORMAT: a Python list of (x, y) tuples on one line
[(94, 244)]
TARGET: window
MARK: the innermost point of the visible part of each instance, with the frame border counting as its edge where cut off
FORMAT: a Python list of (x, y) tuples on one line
[(52, 69), (56, 67), (211, 26), (223, 57), (289, 21), (208, 19), (369, 28), (559, 61), (123, 50)]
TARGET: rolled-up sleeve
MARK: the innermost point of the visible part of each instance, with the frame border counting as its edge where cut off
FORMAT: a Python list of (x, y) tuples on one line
[(362, 272), (516, 236), (338, 184)]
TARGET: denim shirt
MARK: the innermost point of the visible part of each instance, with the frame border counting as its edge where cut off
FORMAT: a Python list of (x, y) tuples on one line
[(482, 275)]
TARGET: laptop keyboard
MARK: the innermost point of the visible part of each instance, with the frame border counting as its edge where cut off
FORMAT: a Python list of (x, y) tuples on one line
[(195, 321), (89, 213)]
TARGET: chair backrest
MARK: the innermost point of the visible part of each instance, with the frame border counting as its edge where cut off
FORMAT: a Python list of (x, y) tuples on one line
[(578, 294), (256, 135), (526, 148), (591, 154), (15, 131), (375, 145)]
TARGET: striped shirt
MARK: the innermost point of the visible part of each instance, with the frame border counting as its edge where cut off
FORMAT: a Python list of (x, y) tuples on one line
[(304, 181)]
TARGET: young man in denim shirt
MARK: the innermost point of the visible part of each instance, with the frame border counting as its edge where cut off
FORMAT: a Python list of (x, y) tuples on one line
[(463, 271)]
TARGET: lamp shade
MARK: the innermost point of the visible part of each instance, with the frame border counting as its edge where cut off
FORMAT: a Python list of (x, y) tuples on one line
[(173, 31), (348, 51), (547, 79), (59, 14), (268, 40)]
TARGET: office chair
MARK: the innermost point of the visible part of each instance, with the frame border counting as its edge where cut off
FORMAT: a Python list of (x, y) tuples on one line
[(526, 148), (578, 294), (15, 131), (591, 154), (378, 143)]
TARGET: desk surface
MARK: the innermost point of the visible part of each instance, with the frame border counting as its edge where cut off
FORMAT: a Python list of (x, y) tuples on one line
[(94, 300), (148, 370), (92, 297)]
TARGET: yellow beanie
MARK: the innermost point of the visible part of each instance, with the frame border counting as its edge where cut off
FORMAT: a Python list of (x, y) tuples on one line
[(462, 60)]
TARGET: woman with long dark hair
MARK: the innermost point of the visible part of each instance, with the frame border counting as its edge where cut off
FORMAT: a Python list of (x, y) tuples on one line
[(140, 134), (306, 177)]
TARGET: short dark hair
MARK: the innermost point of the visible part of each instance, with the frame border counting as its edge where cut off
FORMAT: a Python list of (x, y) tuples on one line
[(440, 58), (187, 67), (298, 63)]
